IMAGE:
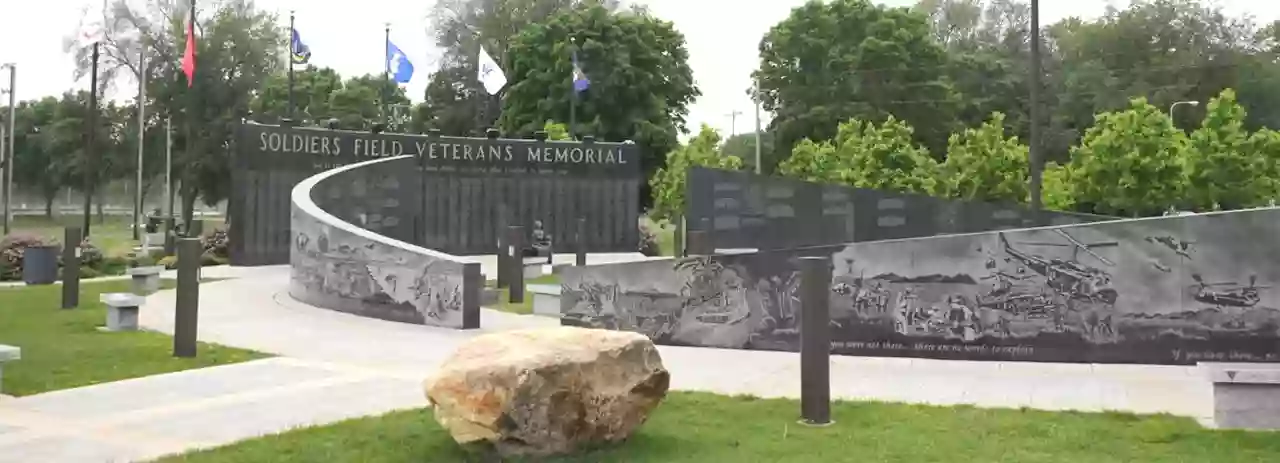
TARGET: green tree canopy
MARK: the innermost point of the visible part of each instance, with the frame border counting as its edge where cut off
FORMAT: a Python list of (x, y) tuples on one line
[(1130, 163), (641, 83), (669, 183), (829, 62), (866, 155), (984, 165), (1222, 167)]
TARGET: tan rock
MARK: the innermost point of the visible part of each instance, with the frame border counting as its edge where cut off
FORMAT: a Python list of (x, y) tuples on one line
[(548, 391)]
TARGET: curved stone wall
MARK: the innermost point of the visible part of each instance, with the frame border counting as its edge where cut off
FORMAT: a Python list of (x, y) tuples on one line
[(338, 265)]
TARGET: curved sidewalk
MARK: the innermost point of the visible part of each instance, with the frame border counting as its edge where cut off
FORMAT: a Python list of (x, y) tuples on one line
[(335, 366)]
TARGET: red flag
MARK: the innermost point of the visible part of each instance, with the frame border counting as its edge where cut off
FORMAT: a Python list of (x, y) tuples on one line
[(189, 58)]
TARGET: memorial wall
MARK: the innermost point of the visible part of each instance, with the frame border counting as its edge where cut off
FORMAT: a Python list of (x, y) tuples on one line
[(1168, 290)]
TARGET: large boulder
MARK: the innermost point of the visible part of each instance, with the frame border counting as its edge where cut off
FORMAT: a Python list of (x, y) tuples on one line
[(548, 391)]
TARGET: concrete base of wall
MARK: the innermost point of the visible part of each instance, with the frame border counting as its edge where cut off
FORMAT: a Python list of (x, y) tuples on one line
[(1245, 395)]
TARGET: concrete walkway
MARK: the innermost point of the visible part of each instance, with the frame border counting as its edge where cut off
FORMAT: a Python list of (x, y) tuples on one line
[(336, 366)]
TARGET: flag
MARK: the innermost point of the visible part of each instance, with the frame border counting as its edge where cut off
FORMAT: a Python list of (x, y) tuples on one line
[(398, 64), (299, 52), (580, 81), (189, 57), (490, 74), (91, 27)]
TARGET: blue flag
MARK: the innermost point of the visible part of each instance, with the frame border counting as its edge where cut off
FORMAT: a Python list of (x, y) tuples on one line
[(398, 64), (580, 81), (299, 52)]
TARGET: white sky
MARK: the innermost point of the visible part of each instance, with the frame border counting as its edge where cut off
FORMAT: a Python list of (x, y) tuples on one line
[(722, 38)]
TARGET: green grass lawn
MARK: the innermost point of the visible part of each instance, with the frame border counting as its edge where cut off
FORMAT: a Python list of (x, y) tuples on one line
[(522, 308), (112, 235), (697, 427), (63, 348)]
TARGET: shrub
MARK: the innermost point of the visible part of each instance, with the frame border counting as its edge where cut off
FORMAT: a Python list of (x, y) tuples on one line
[(12, 248), (89, 272), (90, 256), (169, 262), (649, 242)]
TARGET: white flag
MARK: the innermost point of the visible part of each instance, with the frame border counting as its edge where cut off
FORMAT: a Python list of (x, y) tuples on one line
[(490, 74)]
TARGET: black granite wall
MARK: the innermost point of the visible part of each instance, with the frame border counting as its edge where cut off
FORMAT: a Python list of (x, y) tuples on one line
[(1169, 290), (746, 210)]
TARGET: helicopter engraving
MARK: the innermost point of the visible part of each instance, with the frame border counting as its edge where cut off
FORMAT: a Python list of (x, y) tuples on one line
[(1232, 294), (1069, 277), (1182, 248)]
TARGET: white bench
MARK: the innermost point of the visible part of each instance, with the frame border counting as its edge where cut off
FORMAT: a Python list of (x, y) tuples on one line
[(146, 280), (122, 311), (546, 299), (534, 267), (1245, 395), (7, 353)]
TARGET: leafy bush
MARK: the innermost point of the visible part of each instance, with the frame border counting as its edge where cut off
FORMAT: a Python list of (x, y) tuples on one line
[(649, 242), (89, 272), (216, 243), (90, 256), (13, 247)]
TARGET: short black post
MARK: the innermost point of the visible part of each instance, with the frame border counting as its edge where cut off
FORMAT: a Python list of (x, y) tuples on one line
[(71, 268), (580, 241), (170, 235), (815, 340), (187, 310), (678, 236), (515, 244), (502, 251)]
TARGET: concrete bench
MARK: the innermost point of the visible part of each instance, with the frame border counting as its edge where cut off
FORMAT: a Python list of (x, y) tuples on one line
[(534, 267), (1245, 395), (151, 242), (122, 311), (7, 353), (546, 299), (146, 280)]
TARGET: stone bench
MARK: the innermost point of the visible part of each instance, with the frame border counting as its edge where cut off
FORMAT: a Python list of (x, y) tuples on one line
[(7, 353), (146, 280), (1245, 395), (546, 299), (534, 267), (122, 311)]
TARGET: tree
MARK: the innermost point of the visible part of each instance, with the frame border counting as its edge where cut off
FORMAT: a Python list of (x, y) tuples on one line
[(356, 104), (239, 48), (984, 165), (851, 59), (641, 83), (449, 105), (669, 183), (313, 91), (743, 146), (36, 163), (1056, 187), (1130, 163), (865, 155), (1222, 170)]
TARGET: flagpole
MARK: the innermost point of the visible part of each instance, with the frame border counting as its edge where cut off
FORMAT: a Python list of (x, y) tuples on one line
[(142, 130), (386, 76), (191, 115), (91, 138), (292, 31), (573, 92)]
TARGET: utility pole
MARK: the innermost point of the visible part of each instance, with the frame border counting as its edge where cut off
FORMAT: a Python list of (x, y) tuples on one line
[(142, 131), (1034, 150), (755, 98), (7, 161), (733, 122)]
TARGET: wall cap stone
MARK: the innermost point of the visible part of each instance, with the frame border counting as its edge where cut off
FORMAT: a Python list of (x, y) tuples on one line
[(1241, 373)]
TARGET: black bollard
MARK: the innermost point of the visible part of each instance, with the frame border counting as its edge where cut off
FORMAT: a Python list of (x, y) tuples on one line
[(580, 241), (515, 276), (71, 268), (502, 251), (170, 235), (187, 311), (815, 340), (678, 236)]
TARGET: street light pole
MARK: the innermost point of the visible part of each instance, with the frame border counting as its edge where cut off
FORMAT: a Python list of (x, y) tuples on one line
[(7, 163), (1034, 151), (142, 131), (1177, 103)]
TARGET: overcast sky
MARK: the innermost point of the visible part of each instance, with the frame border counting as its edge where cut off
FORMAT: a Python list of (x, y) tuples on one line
[(722, 38)]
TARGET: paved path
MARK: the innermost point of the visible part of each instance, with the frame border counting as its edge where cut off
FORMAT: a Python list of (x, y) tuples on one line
[(336, 365)]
